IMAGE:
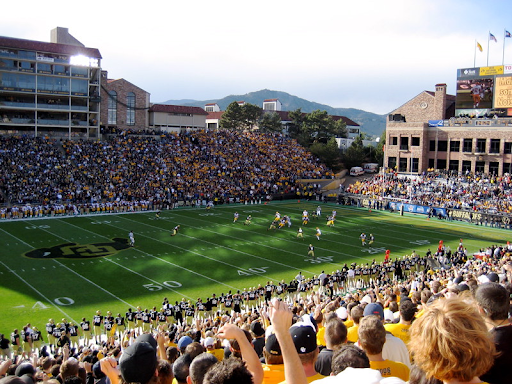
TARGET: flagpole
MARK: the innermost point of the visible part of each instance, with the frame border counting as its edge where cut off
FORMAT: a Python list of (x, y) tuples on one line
[(504, 37), (488, 40), (474, 57)]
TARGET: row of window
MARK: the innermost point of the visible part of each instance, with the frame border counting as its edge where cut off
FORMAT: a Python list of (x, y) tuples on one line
[(47, 84), (112, 108), (480, 145), (411, 165), (45, 68)]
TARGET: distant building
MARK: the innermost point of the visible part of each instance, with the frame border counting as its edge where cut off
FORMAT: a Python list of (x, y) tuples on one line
[(123, 105), (50, 88), (424, 134), (272, 105), (176, 118)]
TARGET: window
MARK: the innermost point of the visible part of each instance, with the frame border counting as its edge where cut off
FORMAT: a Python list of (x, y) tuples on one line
[(209, 109), (403, 165), (432, 146), (130, 108), (493, 167), (441, 163), (414, 164), (269, 106), (467, 145), (404, 143), (454, 145), (392, 162), (415, 141), (480, 145), (466, 165), (507, 167), (508, 148), (442, 146), (454, 165), (112, 107), (394, 140), (479, 166), (79, 87), (431, 163), (495, 146)]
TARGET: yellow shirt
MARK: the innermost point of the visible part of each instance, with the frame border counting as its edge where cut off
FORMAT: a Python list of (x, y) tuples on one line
[(310, 379), (320, 336), (352, 335), (399, 330), (388, 368), (348, 323), (273, 373), (218, 353)]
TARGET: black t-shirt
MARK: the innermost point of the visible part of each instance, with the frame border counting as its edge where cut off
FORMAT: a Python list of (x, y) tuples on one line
[(323, 362), (500, 371), (4, 343)]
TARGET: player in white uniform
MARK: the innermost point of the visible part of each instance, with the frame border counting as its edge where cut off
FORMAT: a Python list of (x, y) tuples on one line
[(131, 239), (318, 233)]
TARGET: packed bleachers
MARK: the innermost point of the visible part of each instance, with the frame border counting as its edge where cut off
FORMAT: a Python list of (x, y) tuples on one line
[(220, 166)]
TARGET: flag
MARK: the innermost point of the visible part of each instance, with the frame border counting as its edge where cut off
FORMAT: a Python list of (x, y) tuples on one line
[(491, 37), (479, 46), (507, 34)]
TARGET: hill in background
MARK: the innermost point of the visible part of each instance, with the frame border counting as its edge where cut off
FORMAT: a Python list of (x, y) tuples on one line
[(371, 123)]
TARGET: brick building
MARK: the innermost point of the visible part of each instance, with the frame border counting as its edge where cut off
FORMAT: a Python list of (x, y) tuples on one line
[(423, 134), (123, 105)]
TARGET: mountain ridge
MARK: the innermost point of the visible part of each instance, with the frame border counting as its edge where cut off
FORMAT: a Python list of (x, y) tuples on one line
[(371, 123)]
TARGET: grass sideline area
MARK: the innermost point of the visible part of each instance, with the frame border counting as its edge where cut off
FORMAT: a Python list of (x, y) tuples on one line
[(97, 270)]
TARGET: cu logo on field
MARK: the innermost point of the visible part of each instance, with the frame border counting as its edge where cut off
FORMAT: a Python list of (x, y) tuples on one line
[(79, 251)]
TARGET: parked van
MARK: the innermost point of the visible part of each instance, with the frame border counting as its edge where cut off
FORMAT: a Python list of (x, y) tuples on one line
[(371, 167), (356, 171)]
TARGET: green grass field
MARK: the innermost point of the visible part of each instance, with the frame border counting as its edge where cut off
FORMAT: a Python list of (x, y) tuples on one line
[(210, 254)]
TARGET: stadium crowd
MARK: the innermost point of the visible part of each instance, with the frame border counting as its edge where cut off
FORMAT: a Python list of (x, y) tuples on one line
[(127, 171), (439, 317), (446, 190)]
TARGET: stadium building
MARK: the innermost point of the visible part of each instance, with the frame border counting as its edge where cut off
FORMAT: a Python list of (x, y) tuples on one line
[(50, 88), (467, 132)]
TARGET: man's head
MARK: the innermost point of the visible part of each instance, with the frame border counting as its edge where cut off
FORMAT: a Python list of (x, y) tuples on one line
[(199, 367), (304, 339), (372, 335), (407, 309), (228, 371), (494, 300), (181, 367), (335, 333), (272, 350), (349, 356), (138, 362)]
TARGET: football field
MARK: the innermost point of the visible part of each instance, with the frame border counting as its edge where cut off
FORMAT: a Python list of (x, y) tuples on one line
[(69, 267)]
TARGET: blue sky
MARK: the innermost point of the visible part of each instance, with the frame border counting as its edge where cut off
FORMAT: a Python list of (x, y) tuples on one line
[(371, 55)]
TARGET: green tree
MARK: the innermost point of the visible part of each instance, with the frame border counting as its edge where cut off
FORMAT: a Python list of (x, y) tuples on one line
[(379, 151), (340, 128), (354, 156), (270, 122), (328, 152), (250, 115), (297, 121), (319, 125), (232, 118)]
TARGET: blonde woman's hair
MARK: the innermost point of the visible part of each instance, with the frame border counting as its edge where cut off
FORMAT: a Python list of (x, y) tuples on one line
[(451, 342)]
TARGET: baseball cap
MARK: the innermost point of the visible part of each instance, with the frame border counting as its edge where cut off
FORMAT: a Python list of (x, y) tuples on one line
[(493, 277), (374, 309), (272, 345), (138, 362), (209, 342), (148, 338), (257, 328), (304, 338), (184, 341), (25, 368), (342, 313)]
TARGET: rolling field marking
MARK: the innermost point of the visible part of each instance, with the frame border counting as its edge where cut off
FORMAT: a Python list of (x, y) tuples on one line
[(155, 257), (26, 282), (38, 292), (93, 283), (79, 275)]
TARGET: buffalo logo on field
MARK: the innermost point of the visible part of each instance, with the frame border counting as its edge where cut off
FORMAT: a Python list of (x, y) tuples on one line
[(79, 251)]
